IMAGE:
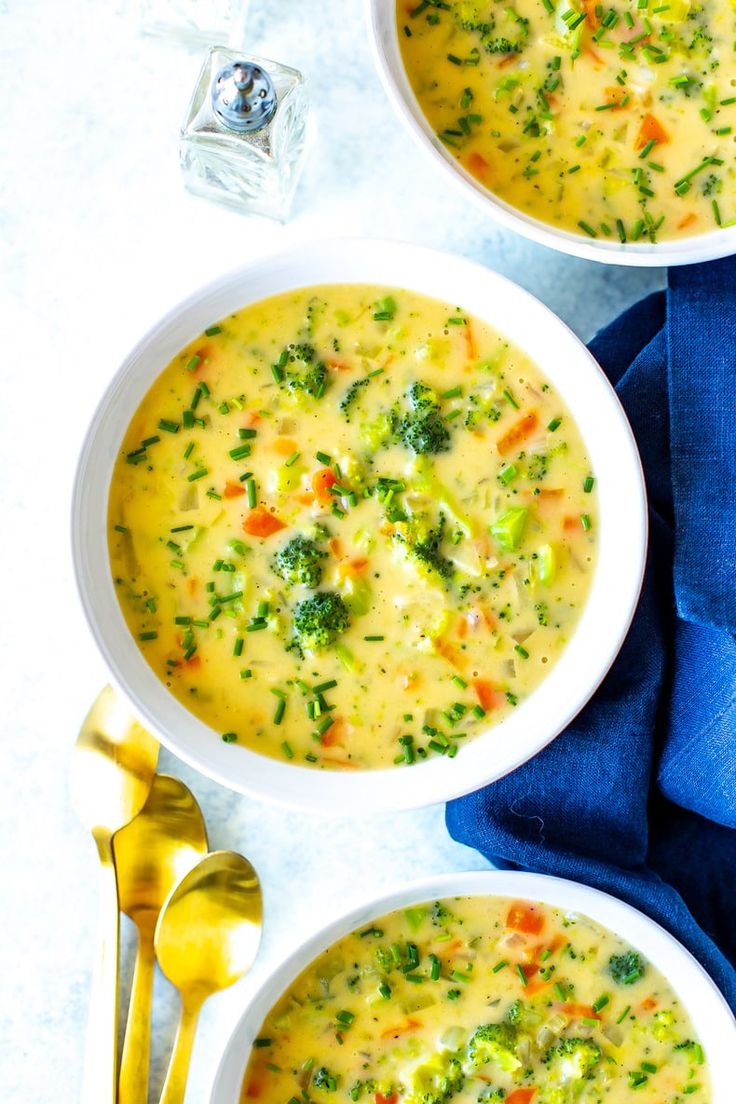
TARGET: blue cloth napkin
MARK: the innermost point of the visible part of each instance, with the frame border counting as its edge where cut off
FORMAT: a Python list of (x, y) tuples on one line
[(638, 796)]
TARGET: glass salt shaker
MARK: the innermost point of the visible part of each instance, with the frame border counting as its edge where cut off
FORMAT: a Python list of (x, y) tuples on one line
[(242, 142)]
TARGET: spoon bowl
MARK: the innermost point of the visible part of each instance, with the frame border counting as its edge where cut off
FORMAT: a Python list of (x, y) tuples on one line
[(111, 773), (152, 853), (206, 938)]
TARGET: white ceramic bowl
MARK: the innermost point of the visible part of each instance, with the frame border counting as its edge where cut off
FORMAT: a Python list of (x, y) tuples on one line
[(381, 16), (622, 528), (711, 1016)]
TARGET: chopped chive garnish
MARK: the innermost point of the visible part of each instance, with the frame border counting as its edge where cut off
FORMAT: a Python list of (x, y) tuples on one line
[(147, 636), (624, 1014), (198, 474), (292, 459), (286, 746), (508, 474), (189, 450), (238, 646), (500, 965), (521, 650), (560, 992), (120, 529), (554, 424), (240, 452), (181, 528), (212, 330), (194, 363), (250, 486), (585, 522), (522, 975), (229, 737), (385, 990), (323, 458), (588, 484), (510, 399), (435, 966), (262, 1042), (588, 229), (247, 434), (169, 427)]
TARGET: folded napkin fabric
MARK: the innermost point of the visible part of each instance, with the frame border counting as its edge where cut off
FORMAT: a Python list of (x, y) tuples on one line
[(637, 796)]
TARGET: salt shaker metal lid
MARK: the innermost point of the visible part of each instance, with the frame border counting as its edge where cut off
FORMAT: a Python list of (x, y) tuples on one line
[(243, 96)]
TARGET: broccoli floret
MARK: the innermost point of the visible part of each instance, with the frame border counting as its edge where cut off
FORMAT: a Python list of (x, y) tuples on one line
[(515, 1013), (626, 968), (422, 543), (434, 1081), (663, 1026), (513, 40), (351, 395), (494, 1043), (420, 427), (573, 1059), (299, 562), (319, 620), (323, 1079), (694, 1051), (469, 16), (301, 371)]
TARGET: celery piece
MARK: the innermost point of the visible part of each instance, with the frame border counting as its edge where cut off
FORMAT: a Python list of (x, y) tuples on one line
[(357, 595), (546, 564), (414, 917), (508, 529)]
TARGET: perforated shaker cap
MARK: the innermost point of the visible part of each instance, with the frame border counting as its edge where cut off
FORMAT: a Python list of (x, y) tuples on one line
[(243, 96)]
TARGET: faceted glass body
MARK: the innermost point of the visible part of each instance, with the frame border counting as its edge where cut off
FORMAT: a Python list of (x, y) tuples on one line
[(255, 171)]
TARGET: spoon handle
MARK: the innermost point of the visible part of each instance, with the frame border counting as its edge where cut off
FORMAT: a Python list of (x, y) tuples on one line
[(175, 1086), (99, 1080), (133, 1086)]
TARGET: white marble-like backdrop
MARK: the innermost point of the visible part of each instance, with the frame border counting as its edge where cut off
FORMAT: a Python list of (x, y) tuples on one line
[(97, 239)]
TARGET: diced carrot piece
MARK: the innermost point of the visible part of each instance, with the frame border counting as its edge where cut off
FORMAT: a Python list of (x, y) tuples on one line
[(335, 762), (488, 697), (616, 94), (451, 654), (688, 220), (304, 498), (409, 1024), (579, 1011), (193, 661), (335, 734), (285, 446), (648, 1004), (391, 1099), (650, 130), (526, 918), (518, 432), (462, 626), (252, 418), (478, 165), (595, 56), (589, 7), (571, 523), (339, 365), (521, 1096), (471, 349), (334, 544), (262, 523), (192, 586), (322, 480), (234, 490)]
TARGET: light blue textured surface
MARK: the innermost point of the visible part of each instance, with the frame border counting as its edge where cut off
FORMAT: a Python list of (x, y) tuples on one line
[(98, 239)]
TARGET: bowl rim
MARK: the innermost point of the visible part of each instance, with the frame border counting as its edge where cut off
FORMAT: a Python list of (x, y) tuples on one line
[(705, 1003), (381, 22), (387, 789)]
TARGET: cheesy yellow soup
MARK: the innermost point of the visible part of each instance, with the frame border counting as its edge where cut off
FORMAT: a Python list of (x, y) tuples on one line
[(352, 527), (614, 120), (478, 999)]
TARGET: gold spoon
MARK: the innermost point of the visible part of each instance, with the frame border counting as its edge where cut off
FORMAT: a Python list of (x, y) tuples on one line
[(206, 938), (151, 854), (112, 769)]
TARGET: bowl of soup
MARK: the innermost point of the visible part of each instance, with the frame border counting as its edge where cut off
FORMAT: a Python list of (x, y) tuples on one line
[(359, 526), (489, 986), (605, 132)]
